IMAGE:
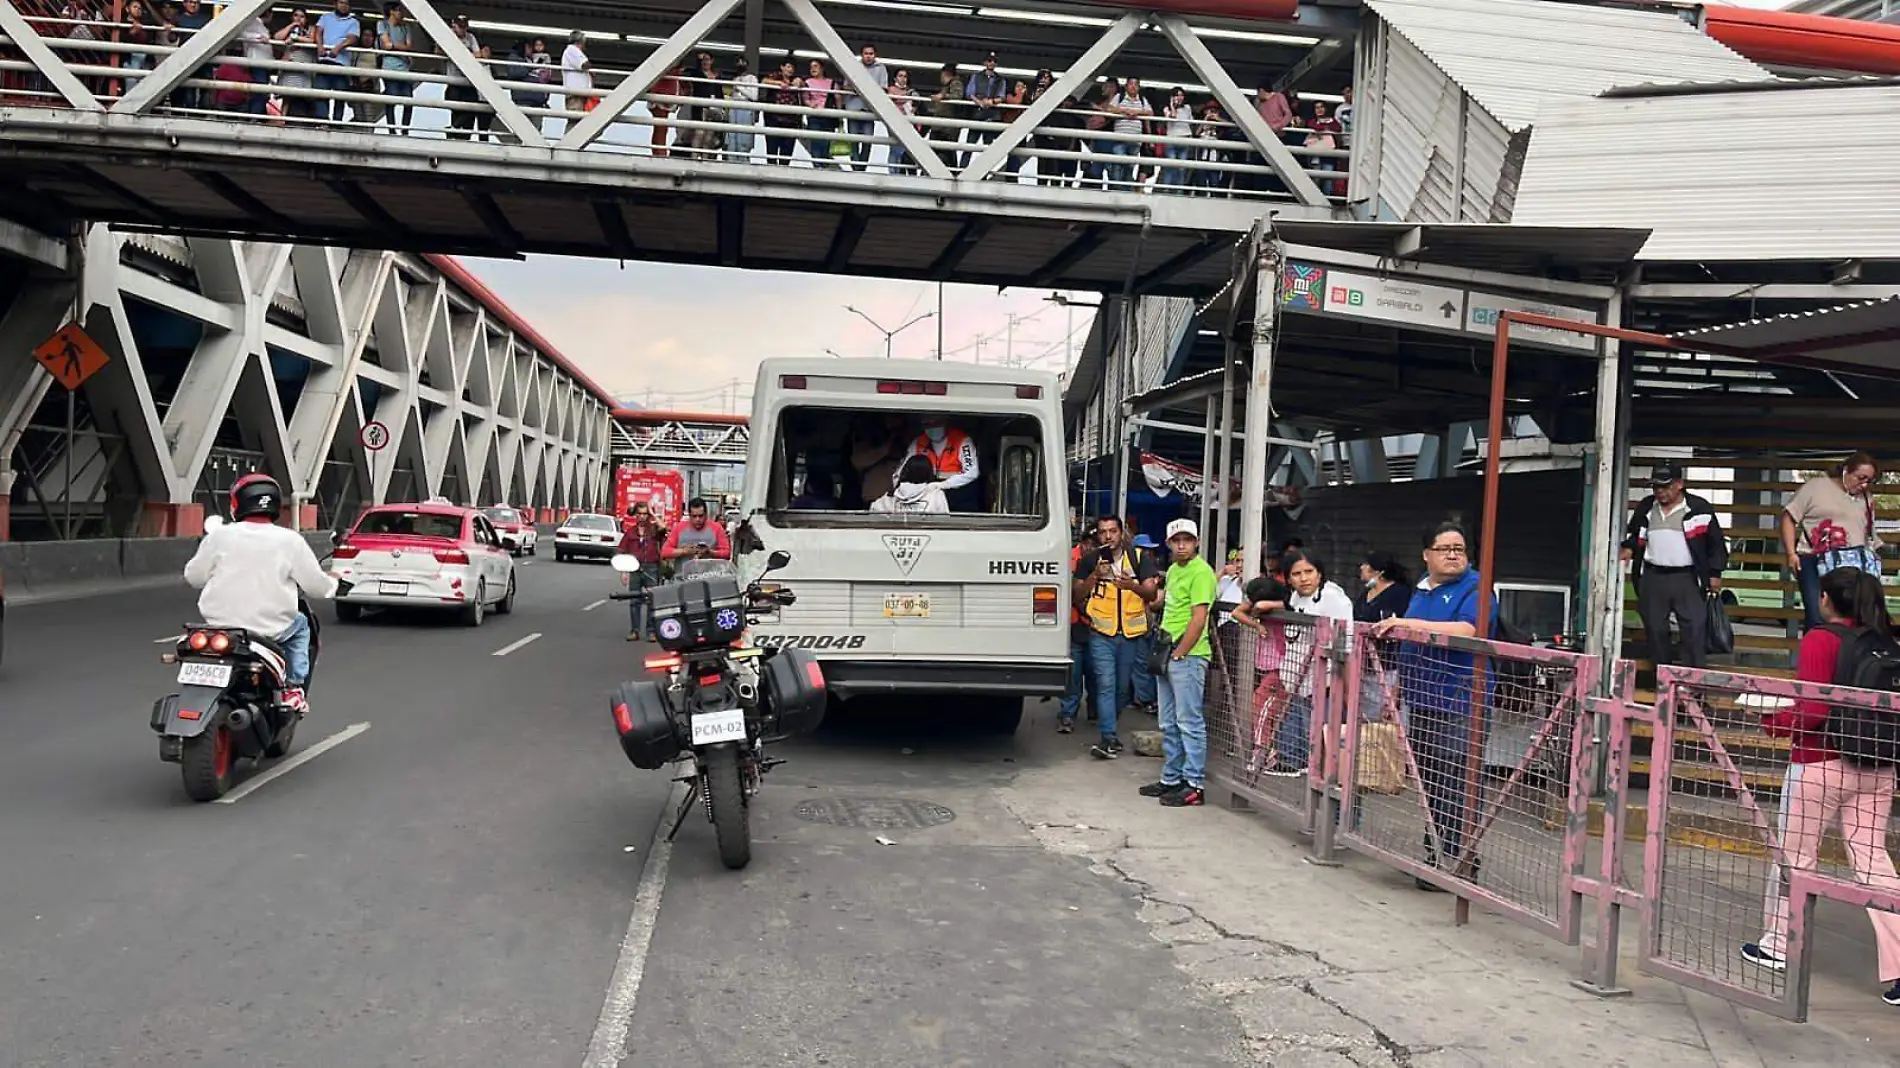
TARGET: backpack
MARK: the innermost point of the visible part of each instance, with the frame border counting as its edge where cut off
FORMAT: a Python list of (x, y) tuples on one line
[(1865, 737)]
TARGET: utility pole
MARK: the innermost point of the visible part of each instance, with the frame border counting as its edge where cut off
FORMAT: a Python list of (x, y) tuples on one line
[(1009, 342)]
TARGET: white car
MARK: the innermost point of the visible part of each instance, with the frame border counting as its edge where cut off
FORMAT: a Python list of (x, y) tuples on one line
[(586, 534), (424, 556), (515, 527)]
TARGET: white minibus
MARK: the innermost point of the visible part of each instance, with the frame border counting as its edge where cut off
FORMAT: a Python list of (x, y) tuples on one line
[(972, 602)]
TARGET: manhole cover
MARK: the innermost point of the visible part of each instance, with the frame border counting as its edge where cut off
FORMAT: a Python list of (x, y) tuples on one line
[(878, 813)]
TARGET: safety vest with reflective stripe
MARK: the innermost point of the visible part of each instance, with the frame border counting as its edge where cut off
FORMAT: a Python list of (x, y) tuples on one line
[(1114, 611), (950, 460)]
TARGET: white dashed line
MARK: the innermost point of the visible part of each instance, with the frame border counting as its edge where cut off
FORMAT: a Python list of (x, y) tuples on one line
[(596, 604), (512, 646), (296, 760), (609, 1045)]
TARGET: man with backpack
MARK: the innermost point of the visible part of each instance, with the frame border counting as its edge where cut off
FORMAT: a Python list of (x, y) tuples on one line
[(1676, 552)]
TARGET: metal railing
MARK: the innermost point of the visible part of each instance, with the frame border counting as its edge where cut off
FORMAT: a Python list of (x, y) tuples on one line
[(1081, 144), (1489, 770)]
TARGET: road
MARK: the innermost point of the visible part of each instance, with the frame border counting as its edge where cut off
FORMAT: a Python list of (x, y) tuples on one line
[(453, 885)]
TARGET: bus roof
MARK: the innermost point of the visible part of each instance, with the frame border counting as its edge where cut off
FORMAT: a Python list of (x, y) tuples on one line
[(930, 370)]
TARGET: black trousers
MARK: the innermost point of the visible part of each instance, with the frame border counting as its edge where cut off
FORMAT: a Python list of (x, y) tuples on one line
[(1661, 594)]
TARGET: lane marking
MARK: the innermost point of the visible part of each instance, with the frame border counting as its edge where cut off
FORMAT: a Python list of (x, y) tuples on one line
[(595, 605), (296, 761), (512, 646), (609, 1045)]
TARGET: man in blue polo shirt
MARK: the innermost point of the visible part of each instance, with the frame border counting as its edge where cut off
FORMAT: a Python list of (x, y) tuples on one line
[(1437, 685)]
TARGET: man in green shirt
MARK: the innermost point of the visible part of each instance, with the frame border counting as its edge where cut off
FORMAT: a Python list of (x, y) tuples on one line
[(1183, 690)]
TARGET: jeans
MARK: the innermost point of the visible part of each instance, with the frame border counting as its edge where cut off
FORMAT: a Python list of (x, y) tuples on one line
[(739, 145), (861, 150), (1175, 179), (640, 609), (1113, 660), (401, 114), (1293, 741), (1441, 746), (334, 110), (1080, 680), (1122, 174), (296, 643), (1183, 696), (1142, 684)]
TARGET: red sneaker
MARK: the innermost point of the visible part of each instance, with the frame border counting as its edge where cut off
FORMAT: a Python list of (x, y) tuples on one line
[(294, 700)]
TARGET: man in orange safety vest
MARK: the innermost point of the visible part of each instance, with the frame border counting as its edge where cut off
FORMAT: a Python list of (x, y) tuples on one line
[(952, 454)]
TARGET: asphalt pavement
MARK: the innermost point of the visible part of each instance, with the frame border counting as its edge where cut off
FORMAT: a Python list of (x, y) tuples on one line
[(455, 883)]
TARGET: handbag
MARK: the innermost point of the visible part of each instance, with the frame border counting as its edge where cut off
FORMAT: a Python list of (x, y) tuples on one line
[(1161, 652), (1381, 768), (1721, 633)]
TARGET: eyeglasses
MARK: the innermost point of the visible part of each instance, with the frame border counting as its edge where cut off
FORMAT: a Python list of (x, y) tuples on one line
[(1449, 550)]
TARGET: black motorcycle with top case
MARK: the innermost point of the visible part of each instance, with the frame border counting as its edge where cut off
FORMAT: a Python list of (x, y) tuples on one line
[(715, 699)]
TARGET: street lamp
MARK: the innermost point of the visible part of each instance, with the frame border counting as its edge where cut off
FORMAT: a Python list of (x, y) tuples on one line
[(888, 334)]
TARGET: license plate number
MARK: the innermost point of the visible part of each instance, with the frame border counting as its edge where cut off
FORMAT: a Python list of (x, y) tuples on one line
[(711, 728), (393, 589), (194, 674), (906, 606)]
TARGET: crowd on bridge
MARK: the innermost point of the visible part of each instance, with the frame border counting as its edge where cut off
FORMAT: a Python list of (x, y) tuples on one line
[(345, 66)]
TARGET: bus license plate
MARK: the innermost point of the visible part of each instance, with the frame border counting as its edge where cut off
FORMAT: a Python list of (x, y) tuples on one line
[(906, 606), (197, 674), (711, 728)]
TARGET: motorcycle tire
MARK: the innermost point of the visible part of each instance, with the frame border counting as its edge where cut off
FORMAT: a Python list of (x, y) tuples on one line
[(731, 812), (207, 760)]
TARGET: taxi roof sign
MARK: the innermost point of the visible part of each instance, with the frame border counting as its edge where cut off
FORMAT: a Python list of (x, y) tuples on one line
[(71, 357)]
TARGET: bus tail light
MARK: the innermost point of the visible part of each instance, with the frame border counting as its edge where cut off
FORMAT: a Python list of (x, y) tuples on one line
[(914, 389), (1028, 392), (1045, 606)]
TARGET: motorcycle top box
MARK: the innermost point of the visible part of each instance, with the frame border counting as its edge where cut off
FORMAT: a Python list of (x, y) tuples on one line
[(698, 613)]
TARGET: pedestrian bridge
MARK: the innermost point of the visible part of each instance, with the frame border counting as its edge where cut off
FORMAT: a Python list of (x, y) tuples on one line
[(455, 143)]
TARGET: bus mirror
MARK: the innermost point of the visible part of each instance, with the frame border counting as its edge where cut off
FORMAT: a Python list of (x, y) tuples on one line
[(778, 561)]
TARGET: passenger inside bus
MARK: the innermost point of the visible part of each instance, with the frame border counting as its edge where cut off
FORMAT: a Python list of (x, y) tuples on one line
[(842, 460)]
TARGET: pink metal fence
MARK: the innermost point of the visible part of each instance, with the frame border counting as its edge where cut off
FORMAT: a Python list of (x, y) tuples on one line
[(1517, 778)]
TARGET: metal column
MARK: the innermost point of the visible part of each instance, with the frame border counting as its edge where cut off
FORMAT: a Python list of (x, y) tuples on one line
[(1208, 482), (1223, 521), (1259, 426), (1603, 614)]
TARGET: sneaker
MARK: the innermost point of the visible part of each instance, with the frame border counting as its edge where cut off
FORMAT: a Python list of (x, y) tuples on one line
[(1892, 996), (1106, 749), (1065, 726), (633, 636), (1162, 789), (1115, 745), (1192, 797), (1761, 958), (294, 700)]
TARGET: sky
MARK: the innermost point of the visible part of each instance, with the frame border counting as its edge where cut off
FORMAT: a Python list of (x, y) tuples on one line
[(678, 337)]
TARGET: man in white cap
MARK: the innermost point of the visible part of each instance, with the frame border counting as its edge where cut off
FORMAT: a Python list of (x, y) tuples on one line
[(1183, 688)]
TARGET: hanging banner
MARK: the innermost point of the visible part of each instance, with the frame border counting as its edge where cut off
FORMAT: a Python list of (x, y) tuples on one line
[(663, 492), (1165, 477)]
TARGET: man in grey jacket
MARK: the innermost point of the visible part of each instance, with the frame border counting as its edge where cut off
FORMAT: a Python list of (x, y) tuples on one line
[(861, 150)]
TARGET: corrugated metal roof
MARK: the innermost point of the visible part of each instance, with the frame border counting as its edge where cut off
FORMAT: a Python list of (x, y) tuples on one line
[(1725, 176), (1513, 56), (1856, 337)]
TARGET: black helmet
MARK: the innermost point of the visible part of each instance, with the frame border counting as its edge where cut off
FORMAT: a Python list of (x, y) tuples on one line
[(257, 494)]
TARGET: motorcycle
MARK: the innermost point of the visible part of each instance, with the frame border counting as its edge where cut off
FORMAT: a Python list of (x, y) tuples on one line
[(229, 702), (716, 701)]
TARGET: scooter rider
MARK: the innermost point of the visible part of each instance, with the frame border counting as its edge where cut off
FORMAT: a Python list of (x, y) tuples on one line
[(250, 571)]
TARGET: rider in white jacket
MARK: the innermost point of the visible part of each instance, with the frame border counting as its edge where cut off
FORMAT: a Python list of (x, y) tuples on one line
[(917, 491)]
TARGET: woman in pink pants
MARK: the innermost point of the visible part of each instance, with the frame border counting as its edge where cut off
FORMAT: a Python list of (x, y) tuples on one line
[(1819, 783)]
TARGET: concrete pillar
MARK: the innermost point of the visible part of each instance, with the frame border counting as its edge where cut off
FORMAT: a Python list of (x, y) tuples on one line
[(171, 520)]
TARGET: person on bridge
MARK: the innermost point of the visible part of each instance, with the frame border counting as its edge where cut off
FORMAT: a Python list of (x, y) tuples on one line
[(855, 103), (337, 32), (249, 572), (695, 538), (985, 91), (952, 454)]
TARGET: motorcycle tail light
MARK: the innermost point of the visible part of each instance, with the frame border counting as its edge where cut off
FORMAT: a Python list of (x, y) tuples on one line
[(709, 680), (198, 640), (623, 720), (221, 642), (663, 662), (814, 675)]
